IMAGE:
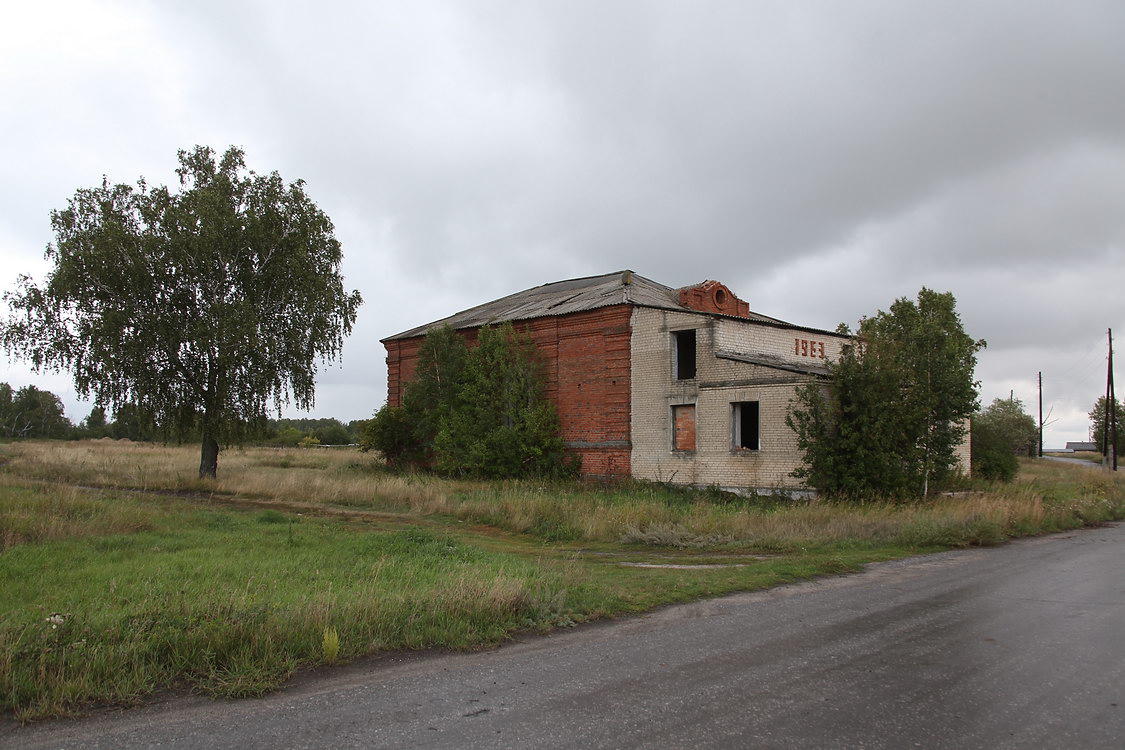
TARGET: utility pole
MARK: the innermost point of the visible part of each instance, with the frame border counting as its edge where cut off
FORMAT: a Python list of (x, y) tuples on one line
[(1110, 413), (1040, 414)]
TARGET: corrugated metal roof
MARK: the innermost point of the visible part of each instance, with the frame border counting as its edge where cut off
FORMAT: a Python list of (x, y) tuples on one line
[(570, 296)]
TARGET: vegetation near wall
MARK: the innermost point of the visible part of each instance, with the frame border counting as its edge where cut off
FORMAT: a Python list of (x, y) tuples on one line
[(479, 412), (888, 420), (1000, 432)]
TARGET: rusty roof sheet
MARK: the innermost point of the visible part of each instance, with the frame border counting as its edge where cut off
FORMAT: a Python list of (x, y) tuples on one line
[(570, 296)]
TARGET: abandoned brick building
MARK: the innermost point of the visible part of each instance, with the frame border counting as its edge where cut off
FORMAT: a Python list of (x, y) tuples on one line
[(681, 385)]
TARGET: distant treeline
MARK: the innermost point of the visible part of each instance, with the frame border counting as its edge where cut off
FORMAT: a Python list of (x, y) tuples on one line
[(327, 431), (30, 412), (33, 413)]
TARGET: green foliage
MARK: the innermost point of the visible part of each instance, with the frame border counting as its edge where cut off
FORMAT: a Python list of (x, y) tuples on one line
[(1099, 425), (892, 414), (334, 434), (435, 392), (391, 433), (330, 644), (503, 425), (406, 435), (205, 305), (94, 425), (849, 442), (131, 422), (328, 430), (480, 412), (999, 433), (31, 413), (287, 436)]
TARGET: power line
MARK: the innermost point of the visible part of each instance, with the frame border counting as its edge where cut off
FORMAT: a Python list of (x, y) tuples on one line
[(1089, 359)]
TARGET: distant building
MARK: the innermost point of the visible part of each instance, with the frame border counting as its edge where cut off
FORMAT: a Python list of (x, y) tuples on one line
[(678, 385), (1078, 446)]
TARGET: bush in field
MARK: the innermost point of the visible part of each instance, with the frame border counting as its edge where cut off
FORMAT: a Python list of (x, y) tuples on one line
[(391, 433), (328, 430), (287, 436), (999, 433)]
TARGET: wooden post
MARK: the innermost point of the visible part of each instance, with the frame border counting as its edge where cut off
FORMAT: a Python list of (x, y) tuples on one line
[(1111, 413), (1040, 414)]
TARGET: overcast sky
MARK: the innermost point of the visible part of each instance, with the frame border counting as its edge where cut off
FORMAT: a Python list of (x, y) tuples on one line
[(819, 158)]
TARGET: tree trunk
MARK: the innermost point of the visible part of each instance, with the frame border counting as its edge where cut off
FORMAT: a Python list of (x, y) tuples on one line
[(208, 457)]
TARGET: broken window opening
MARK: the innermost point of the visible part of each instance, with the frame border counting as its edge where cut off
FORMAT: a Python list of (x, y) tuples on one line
[(683, 342), (745, 425)]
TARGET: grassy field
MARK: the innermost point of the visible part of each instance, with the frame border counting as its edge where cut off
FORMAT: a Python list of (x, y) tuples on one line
[(1092, 456), (122, 574)]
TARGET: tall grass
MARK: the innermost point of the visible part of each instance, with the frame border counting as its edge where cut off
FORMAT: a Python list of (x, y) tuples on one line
[(1048, 496), (35, 513), (312, 476)]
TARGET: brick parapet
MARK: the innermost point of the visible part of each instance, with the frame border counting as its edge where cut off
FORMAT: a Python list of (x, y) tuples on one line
[(714, 297)]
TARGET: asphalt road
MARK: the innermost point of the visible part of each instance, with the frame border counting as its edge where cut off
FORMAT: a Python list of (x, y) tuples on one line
[(1012, 647)]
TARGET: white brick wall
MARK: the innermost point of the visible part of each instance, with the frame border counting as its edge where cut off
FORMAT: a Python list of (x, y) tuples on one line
[(798, 347), (718, 383)]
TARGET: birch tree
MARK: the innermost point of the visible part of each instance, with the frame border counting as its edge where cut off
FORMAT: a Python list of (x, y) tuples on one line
[(204, 306), (896, 407)]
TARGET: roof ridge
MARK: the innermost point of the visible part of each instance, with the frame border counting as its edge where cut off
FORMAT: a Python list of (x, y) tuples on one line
[(577, 295)]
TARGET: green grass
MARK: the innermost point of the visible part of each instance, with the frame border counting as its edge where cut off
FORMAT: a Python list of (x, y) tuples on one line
[(232, 603), (153, 580)]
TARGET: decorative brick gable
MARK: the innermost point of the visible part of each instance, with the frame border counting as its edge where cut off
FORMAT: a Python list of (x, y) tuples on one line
[(714, 297)]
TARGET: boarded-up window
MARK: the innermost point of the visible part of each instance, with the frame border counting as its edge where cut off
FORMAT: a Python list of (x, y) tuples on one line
[(683, 427), (683, 342), (745, 425)]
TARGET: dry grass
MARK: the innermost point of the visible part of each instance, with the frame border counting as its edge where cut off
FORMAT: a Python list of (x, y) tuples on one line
[(36, 512), (1091, 456), (1048, 496), (305, 476)]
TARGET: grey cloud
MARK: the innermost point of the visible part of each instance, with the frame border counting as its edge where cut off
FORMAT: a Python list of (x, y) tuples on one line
[(822, 158)]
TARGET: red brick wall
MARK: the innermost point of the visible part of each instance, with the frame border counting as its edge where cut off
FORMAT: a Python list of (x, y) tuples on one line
[(684, 422), (588, 368)]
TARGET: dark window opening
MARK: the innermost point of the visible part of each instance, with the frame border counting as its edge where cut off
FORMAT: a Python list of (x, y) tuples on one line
[(745, 425), (684, 344)]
